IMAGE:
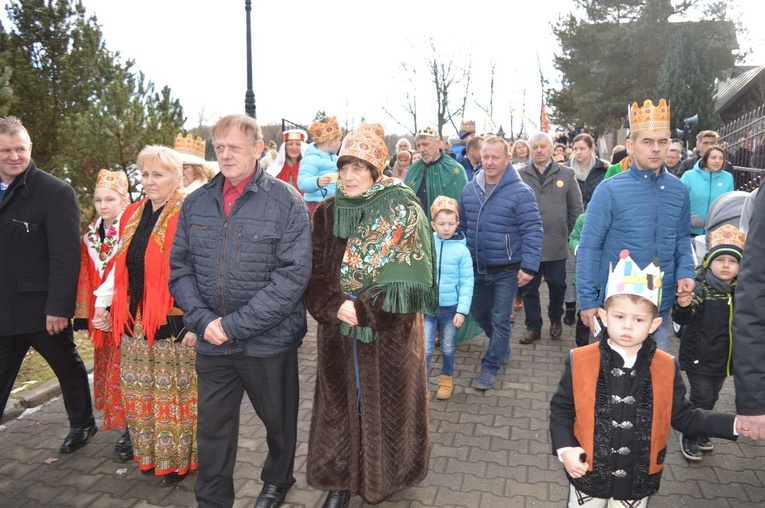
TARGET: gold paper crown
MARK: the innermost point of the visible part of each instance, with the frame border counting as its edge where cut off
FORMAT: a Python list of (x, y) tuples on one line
[(626, 278), (114, 180), (324, 131), (367, 143), (726, 239), (467, 126), (428, 131), (649, 117), (295, 134), (189, 145), (444, 203)]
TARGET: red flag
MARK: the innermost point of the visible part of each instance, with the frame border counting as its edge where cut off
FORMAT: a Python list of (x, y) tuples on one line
[(544, 122)]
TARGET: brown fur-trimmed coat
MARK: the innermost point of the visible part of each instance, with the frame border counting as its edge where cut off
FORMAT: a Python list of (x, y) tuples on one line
[(387, 448)]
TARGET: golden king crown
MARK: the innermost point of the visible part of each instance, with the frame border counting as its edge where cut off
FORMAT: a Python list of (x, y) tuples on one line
[(189, 145), (114, 180), (727, 234), (626, 278), (649, 117)]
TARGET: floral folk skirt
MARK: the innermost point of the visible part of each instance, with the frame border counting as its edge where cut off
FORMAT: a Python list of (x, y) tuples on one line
[(106, 385), (159, 388)]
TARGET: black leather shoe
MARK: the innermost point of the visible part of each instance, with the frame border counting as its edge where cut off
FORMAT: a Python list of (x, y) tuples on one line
[(125, 450), (690, 448), (271, 496), (172, 479), (124, 438), (77, 438), (337, 499)]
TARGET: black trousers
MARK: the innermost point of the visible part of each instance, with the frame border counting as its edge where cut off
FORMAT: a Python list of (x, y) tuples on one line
[(61, 354), (704, 390), (272, 387)]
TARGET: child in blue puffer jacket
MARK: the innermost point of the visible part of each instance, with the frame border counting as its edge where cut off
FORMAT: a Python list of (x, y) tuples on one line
[(454, 268), (317, 175)]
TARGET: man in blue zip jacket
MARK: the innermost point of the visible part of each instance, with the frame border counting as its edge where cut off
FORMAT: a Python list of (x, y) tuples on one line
[(501, 221), (645, 210)]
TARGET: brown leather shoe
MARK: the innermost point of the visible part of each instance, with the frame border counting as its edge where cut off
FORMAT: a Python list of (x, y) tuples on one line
[(530, 336), (555, 331)]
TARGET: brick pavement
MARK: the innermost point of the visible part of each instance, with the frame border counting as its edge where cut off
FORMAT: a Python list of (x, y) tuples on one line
[(489, 450)]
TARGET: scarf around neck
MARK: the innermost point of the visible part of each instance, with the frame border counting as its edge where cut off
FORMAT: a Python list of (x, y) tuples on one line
[(157, 300), (582, 172), (389, 250)]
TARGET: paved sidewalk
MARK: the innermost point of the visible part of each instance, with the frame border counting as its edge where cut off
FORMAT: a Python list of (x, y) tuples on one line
[(489, 449)]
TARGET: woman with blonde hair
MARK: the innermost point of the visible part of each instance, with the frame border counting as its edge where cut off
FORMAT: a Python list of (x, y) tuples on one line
[(196, 170), (158, 378)]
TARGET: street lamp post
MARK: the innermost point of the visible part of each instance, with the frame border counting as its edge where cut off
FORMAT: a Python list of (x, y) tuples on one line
[(249, 97)]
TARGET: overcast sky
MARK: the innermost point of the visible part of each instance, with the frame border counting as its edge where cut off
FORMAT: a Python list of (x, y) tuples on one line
[(341, 56)]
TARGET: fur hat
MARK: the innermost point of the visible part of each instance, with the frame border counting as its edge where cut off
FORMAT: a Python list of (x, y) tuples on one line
[(367, 143), (442, 203), (324, 130), (190, 150), (726, 239), (114, 180)]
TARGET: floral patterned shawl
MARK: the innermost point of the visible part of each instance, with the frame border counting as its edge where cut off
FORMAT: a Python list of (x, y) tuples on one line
[(389, 251)]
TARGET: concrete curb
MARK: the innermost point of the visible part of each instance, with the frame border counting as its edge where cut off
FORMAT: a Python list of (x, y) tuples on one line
[(35, 396)]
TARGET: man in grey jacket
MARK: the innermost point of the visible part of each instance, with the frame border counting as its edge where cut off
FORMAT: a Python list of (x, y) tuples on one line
[(560, 203), (240, 263)]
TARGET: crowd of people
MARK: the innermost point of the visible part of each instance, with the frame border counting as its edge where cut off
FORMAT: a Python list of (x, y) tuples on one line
[(199, 292)]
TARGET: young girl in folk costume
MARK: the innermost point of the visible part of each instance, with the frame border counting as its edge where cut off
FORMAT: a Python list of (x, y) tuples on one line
[(98, 246), (291, 152)]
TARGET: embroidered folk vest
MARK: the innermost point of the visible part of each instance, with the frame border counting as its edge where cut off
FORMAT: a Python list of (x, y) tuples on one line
[(585, 368)]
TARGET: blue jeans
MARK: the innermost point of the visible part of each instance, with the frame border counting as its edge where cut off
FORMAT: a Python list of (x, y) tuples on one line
[(445, 322), (661, 335), (554, 273), (493, 297)]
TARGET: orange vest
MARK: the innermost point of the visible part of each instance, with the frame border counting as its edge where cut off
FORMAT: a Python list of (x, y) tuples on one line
[(585, 368)]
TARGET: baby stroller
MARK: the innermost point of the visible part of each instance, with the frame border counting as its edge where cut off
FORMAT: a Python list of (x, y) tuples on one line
[(724, 210)]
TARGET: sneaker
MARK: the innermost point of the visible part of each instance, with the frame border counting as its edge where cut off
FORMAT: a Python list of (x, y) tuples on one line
[(690, 449), (485, 381), (705, 444)]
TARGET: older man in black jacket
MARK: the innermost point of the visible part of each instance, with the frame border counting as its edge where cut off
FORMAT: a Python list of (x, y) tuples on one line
[(240, 262), (39, 267)]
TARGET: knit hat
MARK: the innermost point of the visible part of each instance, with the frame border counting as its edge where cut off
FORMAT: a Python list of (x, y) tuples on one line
[(324, 129), (114, 180), (367, 143), (442, 203), (191, 150), (726, 239)]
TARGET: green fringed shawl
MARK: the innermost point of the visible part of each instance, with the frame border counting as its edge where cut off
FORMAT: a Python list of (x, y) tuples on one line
[(389, 251), (444, 178)]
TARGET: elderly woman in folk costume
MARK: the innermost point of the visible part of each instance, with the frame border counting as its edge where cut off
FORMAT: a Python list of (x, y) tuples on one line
[(99, 243), (373, 277), (291, 152), (196, 170), (158, 378)]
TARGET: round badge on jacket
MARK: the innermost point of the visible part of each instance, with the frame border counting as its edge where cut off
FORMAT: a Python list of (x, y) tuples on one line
[(559, 183)]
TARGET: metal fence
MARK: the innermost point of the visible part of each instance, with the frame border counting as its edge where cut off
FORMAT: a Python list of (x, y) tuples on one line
[(744, 142)]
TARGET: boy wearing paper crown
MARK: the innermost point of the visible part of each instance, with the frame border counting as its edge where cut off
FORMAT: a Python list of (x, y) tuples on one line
[(707, 342), (318, 172), (644, 209), (611, 414)]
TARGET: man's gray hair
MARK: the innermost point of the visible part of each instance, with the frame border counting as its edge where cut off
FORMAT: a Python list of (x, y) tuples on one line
[(541, 135)]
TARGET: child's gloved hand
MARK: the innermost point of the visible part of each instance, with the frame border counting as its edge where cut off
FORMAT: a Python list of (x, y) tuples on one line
[(572, 461), (685, 300)]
